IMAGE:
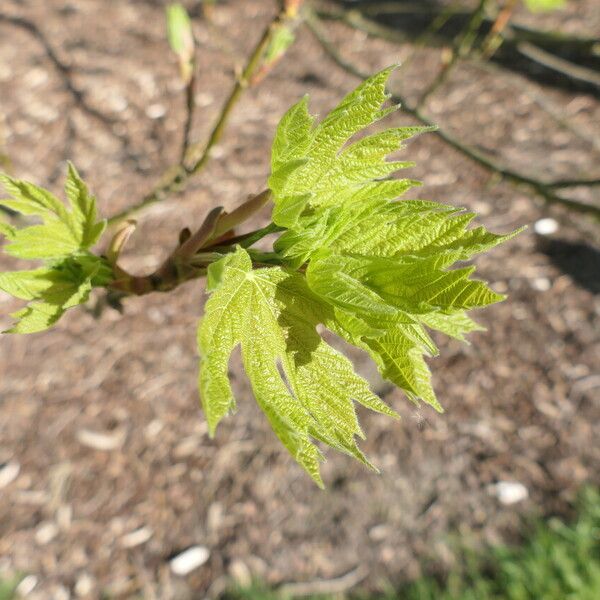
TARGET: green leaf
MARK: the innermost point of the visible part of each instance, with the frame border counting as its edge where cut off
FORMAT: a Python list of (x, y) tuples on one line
[(62, 241), (83, 208), (456, 324), (304, 386), (293, 135), (544, 5), (384, 265), (320, 165), (63, 231), (383, 305), (51, 290), (28, 285), (281, 40), (181, 38), (179, 29)]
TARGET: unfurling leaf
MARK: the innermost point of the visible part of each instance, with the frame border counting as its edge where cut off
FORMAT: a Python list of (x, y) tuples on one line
[(181, 38), (64, 230), (282, 39), (62, 240)]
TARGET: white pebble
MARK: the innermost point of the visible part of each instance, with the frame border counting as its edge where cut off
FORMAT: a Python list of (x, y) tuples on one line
[(84, 585), (546, 226), (8, 473), (189, 560), (154, 428), (509, 492), (156, 111), (100, 441), (61, 593), (203, 99), (27, 585), (136, 538), (541, 284), (378, 533), (117, 103), (240, 573), (45, 533)]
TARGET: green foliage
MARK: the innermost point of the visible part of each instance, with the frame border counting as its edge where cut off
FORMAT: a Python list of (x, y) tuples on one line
[(544, 5), (61, 241), (282, 39), (350, 258), (372, 270), (8, 586), (181, 38), (557, 561), (303, 385), (179, 29)]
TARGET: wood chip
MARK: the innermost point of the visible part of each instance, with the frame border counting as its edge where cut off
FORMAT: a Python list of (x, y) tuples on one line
[(136, 538), (8, 473), (189, 560), (101, 441)]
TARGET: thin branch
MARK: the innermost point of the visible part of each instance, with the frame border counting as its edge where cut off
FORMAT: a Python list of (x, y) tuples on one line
[(494, 39), (434, 26), (563, 183), (540, 46), (538, 187), (355, 19), (188, 261), (176, 178), (229, 221), (462, 47), (560, 65), (543, 101), (196, 241), (190, 106), (248, 239)]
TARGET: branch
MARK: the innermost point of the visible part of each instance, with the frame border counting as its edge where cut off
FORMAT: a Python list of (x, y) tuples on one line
[(176, 178), (560, 65), (542, 189), (190, 106), (543, 101), (494, 39), (461, 47), (563, 183), (194, 253), (536, 45)]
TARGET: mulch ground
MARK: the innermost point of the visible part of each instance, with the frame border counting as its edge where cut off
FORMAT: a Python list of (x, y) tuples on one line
[(521, 401)]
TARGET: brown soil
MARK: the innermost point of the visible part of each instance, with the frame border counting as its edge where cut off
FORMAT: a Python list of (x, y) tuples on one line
[(521, 401)]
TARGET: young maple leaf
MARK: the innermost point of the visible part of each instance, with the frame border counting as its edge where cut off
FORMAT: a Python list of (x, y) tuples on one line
[(62, 241), (372, 269)]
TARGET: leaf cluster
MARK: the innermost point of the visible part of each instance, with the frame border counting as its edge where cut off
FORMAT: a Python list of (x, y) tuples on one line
[(351, 258), (61, 242)]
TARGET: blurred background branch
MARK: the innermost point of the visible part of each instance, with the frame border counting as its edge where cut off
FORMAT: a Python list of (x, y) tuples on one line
[(474, 37)]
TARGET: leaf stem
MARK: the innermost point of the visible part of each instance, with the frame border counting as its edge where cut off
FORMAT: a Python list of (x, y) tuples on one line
[(191, 260)]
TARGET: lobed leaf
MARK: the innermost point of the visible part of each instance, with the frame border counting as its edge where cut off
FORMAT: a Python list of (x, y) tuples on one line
[(62, 241), (384, 265), (304, 386)]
